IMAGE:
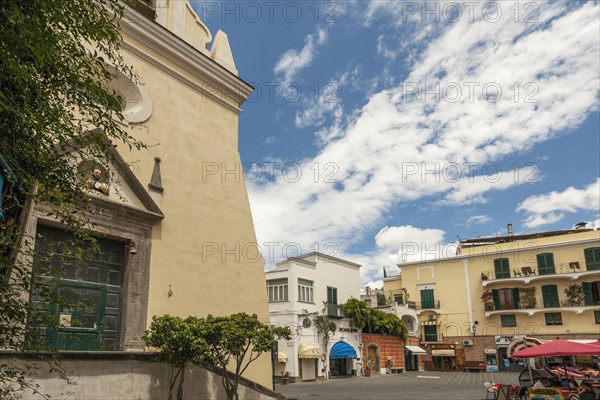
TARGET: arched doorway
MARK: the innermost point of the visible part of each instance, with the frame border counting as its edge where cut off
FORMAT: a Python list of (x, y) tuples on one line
[(340, 359), (373, 354)]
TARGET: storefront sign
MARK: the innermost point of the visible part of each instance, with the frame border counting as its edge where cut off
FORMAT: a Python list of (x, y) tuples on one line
[(490, 351), (348, 330), (492, 368)]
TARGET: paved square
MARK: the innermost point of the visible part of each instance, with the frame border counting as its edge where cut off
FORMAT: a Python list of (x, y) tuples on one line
[(409, 386)]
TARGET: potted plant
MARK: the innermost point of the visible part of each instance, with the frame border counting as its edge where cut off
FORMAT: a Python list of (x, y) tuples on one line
[(574, 294), (488, 300), (527, 297), (285, 378)]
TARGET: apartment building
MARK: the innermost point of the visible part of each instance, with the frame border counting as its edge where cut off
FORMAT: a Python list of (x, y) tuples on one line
[(471, 307), (300, 289)]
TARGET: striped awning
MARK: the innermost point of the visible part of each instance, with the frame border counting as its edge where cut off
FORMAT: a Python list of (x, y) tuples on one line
[(281, 357), (309, 350), (445, 353)]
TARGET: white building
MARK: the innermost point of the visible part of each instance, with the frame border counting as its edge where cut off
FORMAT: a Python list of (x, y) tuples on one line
[(301, 288)]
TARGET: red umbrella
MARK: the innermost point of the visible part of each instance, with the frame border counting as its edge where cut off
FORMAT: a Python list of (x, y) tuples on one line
[(557, 348)]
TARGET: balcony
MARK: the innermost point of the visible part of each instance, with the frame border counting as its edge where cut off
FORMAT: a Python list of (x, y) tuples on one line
[(334, 310), (569, 271), (531, 309), (144, 7), (427, 306)]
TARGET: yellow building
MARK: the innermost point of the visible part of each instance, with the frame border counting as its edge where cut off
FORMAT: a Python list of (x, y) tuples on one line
[(472, 306), (177, 231)]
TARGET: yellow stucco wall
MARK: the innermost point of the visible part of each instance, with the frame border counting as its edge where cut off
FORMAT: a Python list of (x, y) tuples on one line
[(393, 286), (457, 278), (203, 215)]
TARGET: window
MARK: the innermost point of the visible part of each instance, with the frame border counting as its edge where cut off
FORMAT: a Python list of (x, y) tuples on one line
[(398, 299), (305, 290), (597, 316), (277, 290), (545, 264), (427, 299), (550, 296), (592, 258), (506, 299), (591, 293), (501, 268), (553, 318), (508, 321), (430, 333)]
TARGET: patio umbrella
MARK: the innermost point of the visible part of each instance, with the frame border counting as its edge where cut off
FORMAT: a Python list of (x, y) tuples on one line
[(558, 348)]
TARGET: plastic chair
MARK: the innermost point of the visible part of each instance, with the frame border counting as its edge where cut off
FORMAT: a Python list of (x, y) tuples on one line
[(490, 389)]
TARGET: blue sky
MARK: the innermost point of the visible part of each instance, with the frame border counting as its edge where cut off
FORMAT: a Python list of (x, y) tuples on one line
[(379, 129)]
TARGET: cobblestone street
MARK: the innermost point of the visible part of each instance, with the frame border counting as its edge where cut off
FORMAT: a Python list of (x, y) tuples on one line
[(409, 386)]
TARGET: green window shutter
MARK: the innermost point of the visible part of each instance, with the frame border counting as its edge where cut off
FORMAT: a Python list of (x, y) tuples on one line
[(508, 321), (515, 293), (331, 295), (398, 299), (587, 294), (550, 296), (553, 318), (496, 299), (597, 316), (427, 298), (592, 258), (545, 263), (501, 268)]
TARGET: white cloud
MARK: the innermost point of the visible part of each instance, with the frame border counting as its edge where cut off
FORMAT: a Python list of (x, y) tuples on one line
[(412, 244), (293, 61), (548, 208), (272, 140), (478, 219), (537, 220), (347, 189)]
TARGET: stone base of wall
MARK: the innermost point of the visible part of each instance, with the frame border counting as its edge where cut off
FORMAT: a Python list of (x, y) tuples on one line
[(127, 376)]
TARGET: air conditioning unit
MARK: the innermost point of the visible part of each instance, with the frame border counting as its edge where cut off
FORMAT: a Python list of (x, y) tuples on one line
[(467, 343), (432, 317)]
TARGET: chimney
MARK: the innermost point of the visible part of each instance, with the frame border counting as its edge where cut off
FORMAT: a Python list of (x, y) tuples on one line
[(509, 229), (580, 225)]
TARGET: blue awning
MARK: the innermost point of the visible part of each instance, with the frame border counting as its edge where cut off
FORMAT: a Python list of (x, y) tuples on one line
[(342, 350)]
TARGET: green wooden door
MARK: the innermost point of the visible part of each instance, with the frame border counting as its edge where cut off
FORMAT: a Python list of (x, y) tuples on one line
[(427, 299), (80, 316), (94, 278), (332, 301)]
